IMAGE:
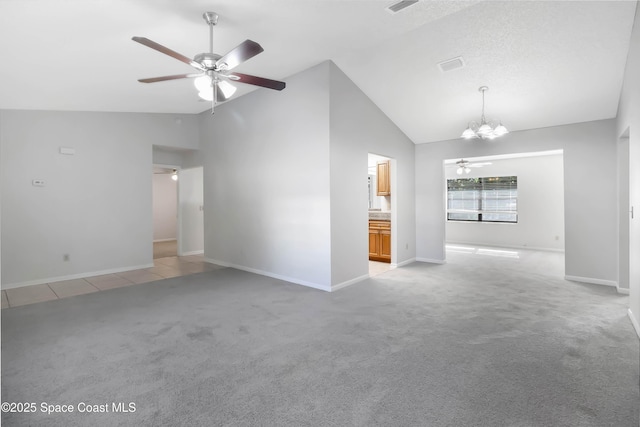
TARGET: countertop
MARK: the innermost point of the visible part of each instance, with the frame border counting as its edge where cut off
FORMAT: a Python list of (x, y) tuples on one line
[(380, 215)]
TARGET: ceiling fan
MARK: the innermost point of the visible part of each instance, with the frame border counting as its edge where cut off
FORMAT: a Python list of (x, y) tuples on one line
[(212, 81), (465, 165)]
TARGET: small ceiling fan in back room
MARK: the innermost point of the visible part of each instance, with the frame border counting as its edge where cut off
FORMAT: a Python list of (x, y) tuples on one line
[(212, 80), (465, 165)]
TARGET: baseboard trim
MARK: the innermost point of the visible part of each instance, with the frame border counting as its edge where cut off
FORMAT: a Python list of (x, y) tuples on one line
[(192, 253), (432, 261), (74, 276), (165, 240), (269, 274), (489, 245), (217, 262), (591, 281), (634, 322), (622, 291), (405, 262), (349, 282)]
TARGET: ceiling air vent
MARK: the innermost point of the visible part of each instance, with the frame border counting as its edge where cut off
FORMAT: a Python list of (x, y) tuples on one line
[(451, 64), (402, 4)]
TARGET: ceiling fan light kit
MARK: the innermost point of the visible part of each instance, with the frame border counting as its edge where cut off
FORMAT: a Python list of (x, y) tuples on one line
[(463, 167), (485, 129), (212, 82)]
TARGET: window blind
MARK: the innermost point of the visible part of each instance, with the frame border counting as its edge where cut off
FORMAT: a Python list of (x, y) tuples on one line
[(486, 199)]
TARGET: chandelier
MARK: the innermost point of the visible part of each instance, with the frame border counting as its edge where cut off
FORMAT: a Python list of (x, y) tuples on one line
[(486, 129)]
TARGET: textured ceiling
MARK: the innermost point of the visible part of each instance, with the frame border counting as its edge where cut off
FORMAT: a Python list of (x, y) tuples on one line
[(546, 63)]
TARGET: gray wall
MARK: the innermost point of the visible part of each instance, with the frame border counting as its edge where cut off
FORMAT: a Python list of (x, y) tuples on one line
[(628, 123), (165, 207), (81, 209), (358, 127), (191, 204), (624, 219), (589, 170), (285, 180), (266, 181)]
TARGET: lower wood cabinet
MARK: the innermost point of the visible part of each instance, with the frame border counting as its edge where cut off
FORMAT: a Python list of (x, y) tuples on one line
[(380, 241)]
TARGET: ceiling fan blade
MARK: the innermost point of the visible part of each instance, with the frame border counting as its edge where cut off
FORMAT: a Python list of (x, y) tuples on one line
[(244, 51), (165, 78), (257, 81), (153, 45)]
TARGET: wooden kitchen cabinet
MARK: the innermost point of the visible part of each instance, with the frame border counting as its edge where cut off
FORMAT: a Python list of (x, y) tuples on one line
[(380, 241), (385, 245), (384, 181)]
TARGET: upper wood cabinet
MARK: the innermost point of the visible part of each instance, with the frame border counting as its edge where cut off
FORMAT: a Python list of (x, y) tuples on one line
[(384, 182)]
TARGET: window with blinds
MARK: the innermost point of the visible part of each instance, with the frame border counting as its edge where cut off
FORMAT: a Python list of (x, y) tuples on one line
[(488, 199)]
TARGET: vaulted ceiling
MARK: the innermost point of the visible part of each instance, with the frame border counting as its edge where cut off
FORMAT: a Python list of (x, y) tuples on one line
[(546, 62)]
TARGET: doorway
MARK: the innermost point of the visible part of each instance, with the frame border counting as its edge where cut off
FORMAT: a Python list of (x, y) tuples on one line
[(513, 201), (165, 211), (381, 189)]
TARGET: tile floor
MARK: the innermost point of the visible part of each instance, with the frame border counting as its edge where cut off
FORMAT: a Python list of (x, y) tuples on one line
[(165, 249), (163, 268), (376, 267)]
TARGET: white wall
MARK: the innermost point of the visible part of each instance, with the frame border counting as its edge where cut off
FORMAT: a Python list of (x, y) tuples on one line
[(624, 218), (191, 201), (589, 169), (165, 207), (163, 156), (358, 128), (266, 181), (629, 121), (185, 158), (540, 205), (95, 206), (285, 180)]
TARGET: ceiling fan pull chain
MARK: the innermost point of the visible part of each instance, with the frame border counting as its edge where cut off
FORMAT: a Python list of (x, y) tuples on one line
[(213, 98), (483, 119)]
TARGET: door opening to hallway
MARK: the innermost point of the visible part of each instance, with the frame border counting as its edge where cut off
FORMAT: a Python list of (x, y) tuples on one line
[(165, 211)]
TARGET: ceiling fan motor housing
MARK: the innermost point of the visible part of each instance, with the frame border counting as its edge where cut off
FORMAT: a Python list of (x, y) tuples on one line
[(210, 17), (208, 60)]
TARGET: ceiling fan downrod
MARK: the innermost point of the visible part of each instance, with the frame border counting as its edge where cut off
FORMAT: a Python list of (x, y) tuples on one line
[(212, 19)]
